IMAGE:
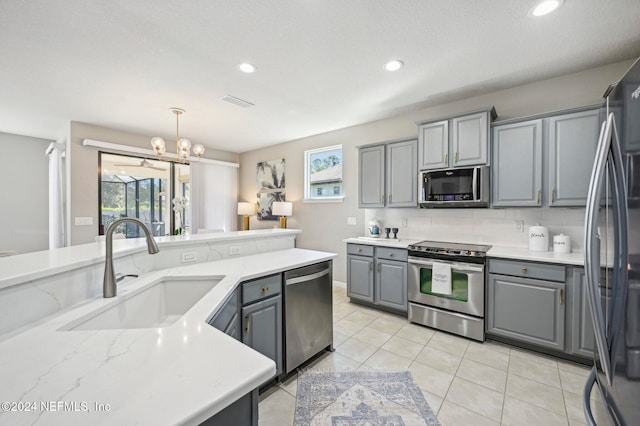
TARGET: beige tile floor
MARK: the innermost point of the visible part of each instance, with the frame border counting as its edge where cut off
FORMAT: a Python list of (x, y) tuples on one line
[(464, 382)]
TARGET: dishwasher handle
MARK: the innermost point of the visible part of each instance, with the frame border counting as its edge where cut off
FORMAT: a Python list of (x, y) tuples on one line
[(306, 278)]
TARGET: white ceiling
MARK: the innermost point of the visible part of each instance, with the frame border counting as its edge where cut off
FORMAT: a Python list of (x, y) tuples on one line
[(123, 63)]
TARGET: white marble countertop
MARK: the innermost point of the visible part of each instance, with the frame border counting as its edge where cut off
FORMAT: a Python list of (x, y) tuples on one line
[(180, 374), (518, 253), (384, 242), (30, 266)]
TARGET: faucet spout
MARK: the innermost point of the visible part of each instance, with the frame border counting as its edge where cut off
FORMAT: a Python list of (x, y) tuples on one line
[(109, 288)]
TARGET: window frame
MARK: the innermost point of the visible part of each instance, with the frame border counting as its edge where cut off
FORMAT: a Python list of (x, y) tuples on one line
[(308, 198)]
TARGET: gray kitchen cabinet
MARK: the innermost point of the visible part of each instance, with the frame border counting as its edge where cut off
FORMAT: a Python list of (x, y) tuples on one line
[(377, 277), (402, 174), (227, 319), (261, 317), (388, 175), (360, 277), (433, 145), (516, 174), (526, 302), (470, 139), (460, 141), (371, 176), (545, 161), (391, 284), (572, 141), (582, 334)]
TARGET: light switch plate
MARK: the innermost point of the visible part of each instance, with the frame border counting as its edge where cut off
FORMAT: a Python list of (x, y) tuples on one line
[(518, 225), (234, 250), (351, 220), (188, 256)]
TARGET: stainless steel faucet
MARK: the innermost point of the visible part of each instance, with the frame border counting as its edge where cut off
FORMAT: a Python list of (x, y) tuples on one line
[(109, 284)]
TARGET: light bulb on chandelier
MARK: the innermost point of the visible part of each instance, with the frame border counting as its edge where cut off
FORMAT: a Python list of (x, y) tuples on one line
[(183, 145)]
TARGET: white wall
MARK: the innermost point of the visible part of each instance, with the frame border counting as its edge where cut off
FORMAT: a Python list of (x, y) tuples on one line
[(83, 172), (324, 226), (24, 172)]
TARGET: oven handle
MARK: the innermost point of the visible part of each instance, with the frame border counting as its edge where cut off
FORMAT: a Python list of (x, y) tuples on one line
[(464, 267)]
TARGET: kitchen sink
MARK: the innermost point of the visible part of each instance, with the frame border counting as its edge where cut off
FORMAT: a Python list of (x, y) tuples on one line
[(157, 305)]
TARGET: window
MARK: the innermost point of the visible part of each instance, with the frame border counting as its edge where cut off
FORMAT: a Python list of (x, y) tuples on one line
[(323, 174)]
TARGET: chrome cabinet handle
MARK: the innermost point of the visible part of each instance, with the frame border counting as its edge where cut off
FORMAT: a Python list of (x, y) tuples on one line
[(446, 158), (455, 158), (247, 319), (371, 266), (378, 267), (359, 250), (390, 254), (265, 289), (524, 270), (561, 296), (539, 195), (553, 195)]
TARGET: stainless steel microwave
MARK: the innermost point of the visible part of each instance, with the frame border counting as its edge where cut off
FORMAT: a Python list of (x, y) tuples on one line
[(461, 187)]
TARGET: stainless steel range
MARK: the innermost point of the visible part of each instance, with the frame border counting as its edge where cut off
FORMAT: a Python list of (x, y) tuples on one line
[(459, 306)]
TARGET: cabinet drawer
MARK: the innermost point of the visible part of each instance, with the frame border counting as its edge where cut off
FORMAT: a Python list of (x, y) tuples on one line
[(391, 253), (539, 271), (261, 288), (360, 249)]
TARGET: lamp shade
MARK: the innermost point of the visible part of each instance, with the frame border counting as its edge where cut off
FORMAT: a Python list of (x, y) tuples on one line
[(246, 209), (282, 208)]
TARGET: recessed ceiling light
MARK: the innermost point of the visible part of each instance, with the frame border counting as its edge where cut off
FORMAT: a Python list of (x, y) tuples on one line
[(246, 67), (545, 7), (394, 65)]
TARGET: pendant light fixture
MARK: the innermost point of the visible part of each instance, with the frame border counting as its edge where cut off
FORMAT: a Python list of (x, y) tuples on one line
[(183, 145)]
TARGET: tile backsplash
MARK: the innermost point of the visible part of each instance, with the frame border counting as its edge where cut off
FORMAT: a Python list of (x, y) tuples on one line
[(481, 226)]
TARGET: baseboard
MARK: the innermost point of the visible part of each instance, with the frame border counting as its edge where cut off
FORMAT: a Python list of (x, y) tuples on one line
[(339, 284)]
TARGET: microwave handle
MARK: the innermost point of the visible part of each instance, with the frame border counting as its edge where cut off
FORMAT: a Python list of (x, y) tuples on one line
[(474, 185)]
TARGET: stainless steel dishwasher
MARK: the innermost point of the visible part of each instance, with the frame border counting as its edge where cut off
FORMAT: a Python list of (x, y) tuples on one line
[(308, 312)]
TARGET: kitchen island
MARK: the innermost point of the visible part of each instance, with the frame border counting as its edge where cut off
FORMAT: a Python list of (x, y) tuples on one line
[(183, 373)]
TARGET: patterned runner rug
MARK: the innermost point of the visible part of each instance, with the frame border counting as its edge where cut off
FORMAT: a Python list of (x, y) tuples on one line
[(360, 398)]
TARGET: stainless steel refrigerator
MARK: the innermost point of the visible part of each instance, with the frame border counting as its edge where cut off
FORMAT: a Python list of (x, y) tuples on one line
[(612, 245)]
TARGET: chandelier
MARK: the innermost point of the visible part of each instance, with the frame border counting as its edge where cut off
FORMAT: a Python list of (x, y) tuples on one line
[(183, 145)]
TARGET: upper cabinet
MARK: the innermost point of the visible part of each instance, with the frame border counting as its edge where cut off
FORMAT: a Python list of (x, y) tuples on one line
[(456, 142), (572, 148), (387, 175), (546, 161), (517, 164)]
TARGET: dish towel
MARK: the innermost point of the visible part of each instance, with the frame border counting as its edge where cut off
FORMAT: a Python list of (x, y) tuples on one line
[(441, 278)]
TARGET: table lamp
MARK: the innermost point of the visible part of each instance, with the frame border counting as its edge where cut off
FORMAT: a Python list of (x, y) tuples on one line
[(282, 209), (246, 210)]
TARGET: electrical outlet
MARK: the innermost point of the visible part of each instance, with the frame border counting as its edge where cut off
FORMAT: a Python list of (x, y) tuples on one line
[(188, 256), (351, 220), (518, 225), (404, 222), (234, 250), (83, 221)]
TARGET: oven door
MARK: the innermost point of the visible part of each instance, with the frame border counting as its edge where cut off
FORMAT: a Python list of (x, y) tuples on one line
[(467, 285)]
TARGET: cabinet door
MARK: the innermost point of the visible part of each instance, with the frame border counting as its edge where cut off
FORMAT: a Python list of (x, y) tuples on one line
[(360, 277), (391, 284), (528, 310), (433, 145), (262, 328), (469, 140), (371, 177), (402, 174), (582, 334), (572, 146), (516, 174)]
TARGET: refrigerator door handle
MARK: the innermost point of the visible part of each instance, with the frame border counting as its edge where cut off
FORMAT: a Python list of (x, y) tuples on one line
[(586, 397), (592, 251)]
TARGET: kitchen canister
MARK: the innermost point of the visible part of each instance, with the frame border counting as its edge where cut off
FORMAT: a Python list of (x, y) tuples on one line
[(561, 243), (538, 238)]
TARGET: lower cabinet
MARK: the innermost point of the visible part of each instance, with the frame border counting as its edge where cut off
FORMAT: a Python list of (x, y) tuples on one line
[(526, 302), (583, 339), (261, 317), (377, 276)]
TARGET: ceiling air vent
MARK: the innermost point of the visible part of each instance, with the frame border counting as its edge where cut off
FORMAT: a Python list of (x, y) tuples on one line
[(236, 101)]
